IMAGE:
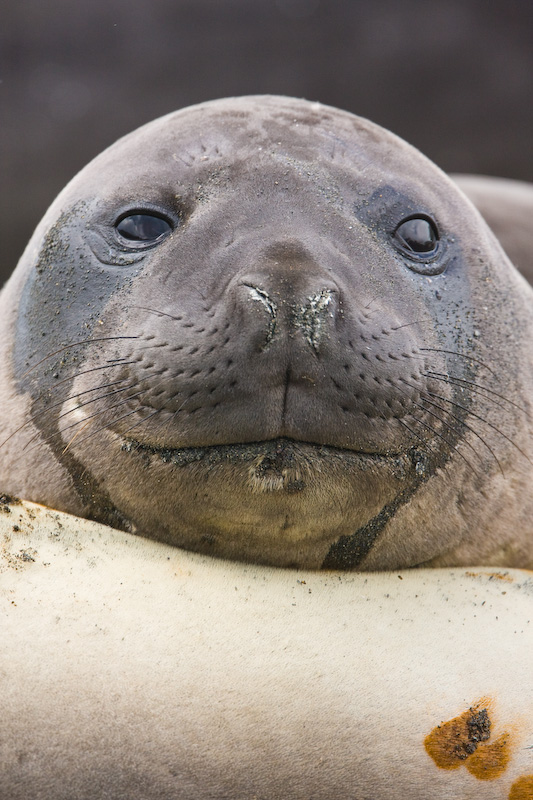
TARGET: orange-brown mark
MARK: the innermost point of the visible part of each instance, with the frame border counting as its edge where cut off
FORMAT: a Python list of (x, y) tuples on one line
[(492, 576), (491, 760), (452, 742), (522, 789)]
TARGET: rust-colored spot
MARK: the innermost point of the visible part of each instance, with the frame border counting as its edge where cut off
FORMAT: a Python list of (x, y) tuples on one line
[(452, 742), (465, 740), (491, 760), (522, 789), (492, 576)]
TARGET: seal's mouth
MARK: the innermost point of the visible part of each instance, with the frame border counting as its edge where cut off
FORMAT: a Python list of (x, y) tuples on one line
[(280, 452), (279, 464)]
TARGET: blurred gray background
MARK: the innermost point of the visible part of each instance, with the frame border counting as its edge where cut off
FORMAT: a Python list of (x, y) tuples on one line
[(453, 77)]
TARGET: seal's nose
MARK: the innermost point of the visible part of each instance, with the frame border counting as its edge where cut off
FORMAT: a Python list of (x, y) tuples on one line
[(288, 297)]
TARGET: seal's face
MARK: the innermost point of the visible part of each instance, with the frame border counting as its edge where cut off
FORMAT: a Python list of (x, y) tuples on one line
[(247, 361)]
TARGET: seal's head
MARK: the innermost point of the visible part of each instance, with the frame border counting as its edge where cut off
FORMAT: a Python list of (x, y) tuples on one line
[(265, 329)]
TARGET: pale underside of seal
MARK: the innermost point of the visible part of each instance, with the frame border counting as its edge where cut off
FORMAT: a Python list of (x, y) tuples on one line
[(134, 670), (268, 330)]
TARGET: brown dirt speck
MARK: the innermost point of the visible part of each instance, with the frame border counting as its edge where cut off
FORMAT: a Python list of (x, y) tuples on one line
[(7, 500), (492, 576)]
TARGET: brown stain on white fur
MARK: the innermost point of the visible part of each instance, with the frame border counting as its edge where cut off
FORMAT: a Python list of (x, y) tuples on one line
[(466, 740), (522, 789)]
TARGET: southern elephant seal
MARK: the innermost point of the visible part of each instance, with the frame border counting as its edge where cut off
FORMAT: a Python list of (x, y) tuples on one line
[(265, 329), (134, 670)]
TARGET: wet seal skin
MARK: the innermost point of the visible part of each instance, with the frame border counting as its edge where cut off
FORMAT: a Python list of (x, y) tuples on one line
[(268, 330)]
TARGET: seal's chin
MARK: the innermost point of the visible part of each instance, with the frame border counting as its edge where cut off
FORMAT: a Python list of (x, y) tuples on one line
[(281, 501)]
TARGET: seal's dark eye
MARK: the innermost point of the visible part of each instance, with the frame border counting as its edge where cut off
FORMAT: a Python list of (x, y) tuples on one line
[(142, 228), (417, 236)]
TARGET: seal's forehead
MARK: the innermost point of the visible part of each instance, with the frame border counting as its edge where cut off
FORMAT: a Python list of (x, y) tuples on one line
[(256, 141), (265, 119), (261, 128)]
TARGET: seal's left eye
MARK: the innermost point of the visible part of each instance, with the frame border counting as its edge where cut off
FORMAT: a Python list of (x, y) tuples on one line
[(142, 228), (417, 236)]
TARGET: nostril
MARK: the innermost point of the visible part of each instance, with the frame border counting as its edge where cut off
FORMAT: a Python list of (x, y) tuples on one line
[(259, 300), (281, 306), (260, 296), (311, 317)]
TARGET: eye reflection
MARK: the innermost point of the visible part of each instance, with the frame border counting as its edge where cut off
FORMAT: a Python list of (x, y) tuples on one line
[(417, 235), (142, 228)]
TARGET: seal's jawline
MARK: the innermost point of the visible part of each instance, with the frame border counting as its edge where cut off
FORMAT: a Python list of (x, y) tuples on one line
[(243, 451)]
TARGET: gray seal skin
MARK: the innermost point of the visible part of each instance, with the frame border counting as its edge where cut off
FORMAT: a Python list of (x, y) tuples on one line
[(273, 371), (507, 207)]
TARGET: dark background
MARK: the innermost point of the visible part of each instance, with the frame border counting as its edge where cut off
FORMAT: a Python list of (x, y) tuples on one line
[(452, 77)]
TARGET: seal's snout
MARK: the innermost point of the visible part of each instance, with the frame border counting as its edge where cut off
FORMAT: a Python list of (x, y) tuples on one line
[(289, 297)]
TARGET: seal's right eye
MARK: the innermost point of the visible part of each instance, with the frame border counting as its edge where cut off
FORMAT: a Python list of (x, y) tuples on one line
[(142, 229)]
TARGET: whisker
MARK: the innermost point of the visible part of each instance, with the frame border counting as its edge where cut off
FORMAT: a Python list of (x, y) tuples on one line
[(107, 365), (466, 425), (450, 444), (97, 413), (447, 425), (486, 422), (440, 376), (427, 411), (407, 324), (141, 421), (175, 414), (365, 308), (461, 355), (168, 421), (455, 382), (59, 433), (75, 437), (95, 399), (80, 394), (436, 433), (159, 313), (50, 408), (70, 346), (102, 411), (107, 425), (461, 422), (414, 433)]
